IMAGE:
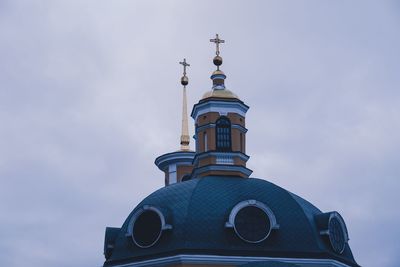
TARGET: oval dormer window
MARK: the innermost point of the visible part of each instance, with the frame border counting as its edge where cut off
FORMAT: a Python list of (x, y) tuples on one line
[(337, 235), (146, 226), (252, 221), (333, 229)]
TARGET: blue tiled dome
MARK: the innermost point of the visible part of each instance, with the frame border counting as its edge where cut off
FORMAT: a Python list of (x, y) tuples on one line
[(198, 210)]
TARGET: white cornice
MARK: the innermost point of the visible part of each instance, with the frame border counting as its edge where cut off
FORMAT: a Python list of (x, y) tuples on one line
[(222, 107), (174, 157)]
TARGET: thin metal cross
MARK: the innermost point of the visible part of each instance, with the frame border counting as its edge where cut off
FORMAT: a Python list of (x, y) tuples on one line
[(184, 66), (217, 41)]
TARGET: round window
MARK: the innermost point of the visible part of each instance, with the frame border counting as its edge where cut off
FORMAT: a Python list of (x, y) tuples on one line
[(336, 235), (147, 228), (332, 226), (252, 221), (252, 224)]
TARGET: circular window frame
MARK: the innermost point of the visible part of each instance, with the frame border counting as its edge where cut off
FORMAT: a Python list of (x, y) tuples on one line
[(136, 215), (252, 203), (337, 216)]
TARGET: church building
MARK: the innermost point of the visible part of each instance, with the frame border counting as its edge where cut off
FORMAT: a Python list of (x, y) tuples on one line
[(212, 213)]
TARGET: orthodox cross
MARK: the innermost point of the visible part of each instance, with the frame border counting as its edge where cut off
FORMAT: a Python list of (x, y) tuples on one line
[(217, 41), (184, 66)]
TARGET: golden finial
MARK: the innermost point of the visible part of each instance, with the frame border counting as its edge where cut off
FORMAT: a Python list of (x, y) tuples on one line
[(217, 59), (218, 76), (217, 41), (184, 79), (185, 139)]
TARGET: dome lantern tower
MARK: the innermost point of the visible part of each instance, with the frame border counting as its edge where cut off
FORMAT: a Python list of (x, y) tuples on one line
[(220, 131)]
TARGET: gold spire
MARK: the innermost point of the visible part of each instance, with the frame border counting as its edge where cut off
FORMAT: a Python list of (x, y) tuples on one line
[(185, 139)]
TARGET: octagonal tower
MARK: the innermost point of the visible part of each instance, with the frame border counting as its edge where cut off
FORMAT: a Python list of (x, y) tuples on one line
[(220, 129)]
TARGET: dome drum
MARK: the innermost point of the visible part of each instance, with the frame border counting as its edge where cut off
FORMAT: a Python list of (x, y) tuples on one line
[(218, 78), (175, 165)]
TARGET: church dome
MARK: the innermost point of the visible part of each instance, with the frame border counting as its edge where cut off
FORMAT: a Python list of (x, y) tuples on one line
[(207, 216), (225, 93)]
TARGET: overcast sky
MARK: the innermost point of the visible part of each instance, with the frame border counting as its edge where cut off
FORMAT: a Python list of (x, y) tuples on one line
[(90, 96)]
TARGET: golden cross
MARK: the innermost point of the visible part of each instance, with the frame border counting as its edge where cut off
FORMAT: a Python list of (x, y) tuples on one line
[(184, 66), (217, 41)]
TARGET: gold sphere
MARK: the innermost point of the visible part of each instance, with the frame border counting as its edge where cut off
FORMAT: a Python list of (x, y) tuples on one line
[(184, 80), (217, 61)]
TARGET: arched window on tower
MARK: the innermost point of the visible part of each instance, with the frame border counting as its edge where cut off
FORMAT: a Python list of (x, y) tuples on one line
[(223, 134)]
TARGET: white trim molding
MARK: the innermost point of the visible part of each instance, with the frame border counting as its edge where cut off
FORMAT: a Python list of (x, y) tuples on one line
[(230, 260), (273, 225), (222, 107)]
